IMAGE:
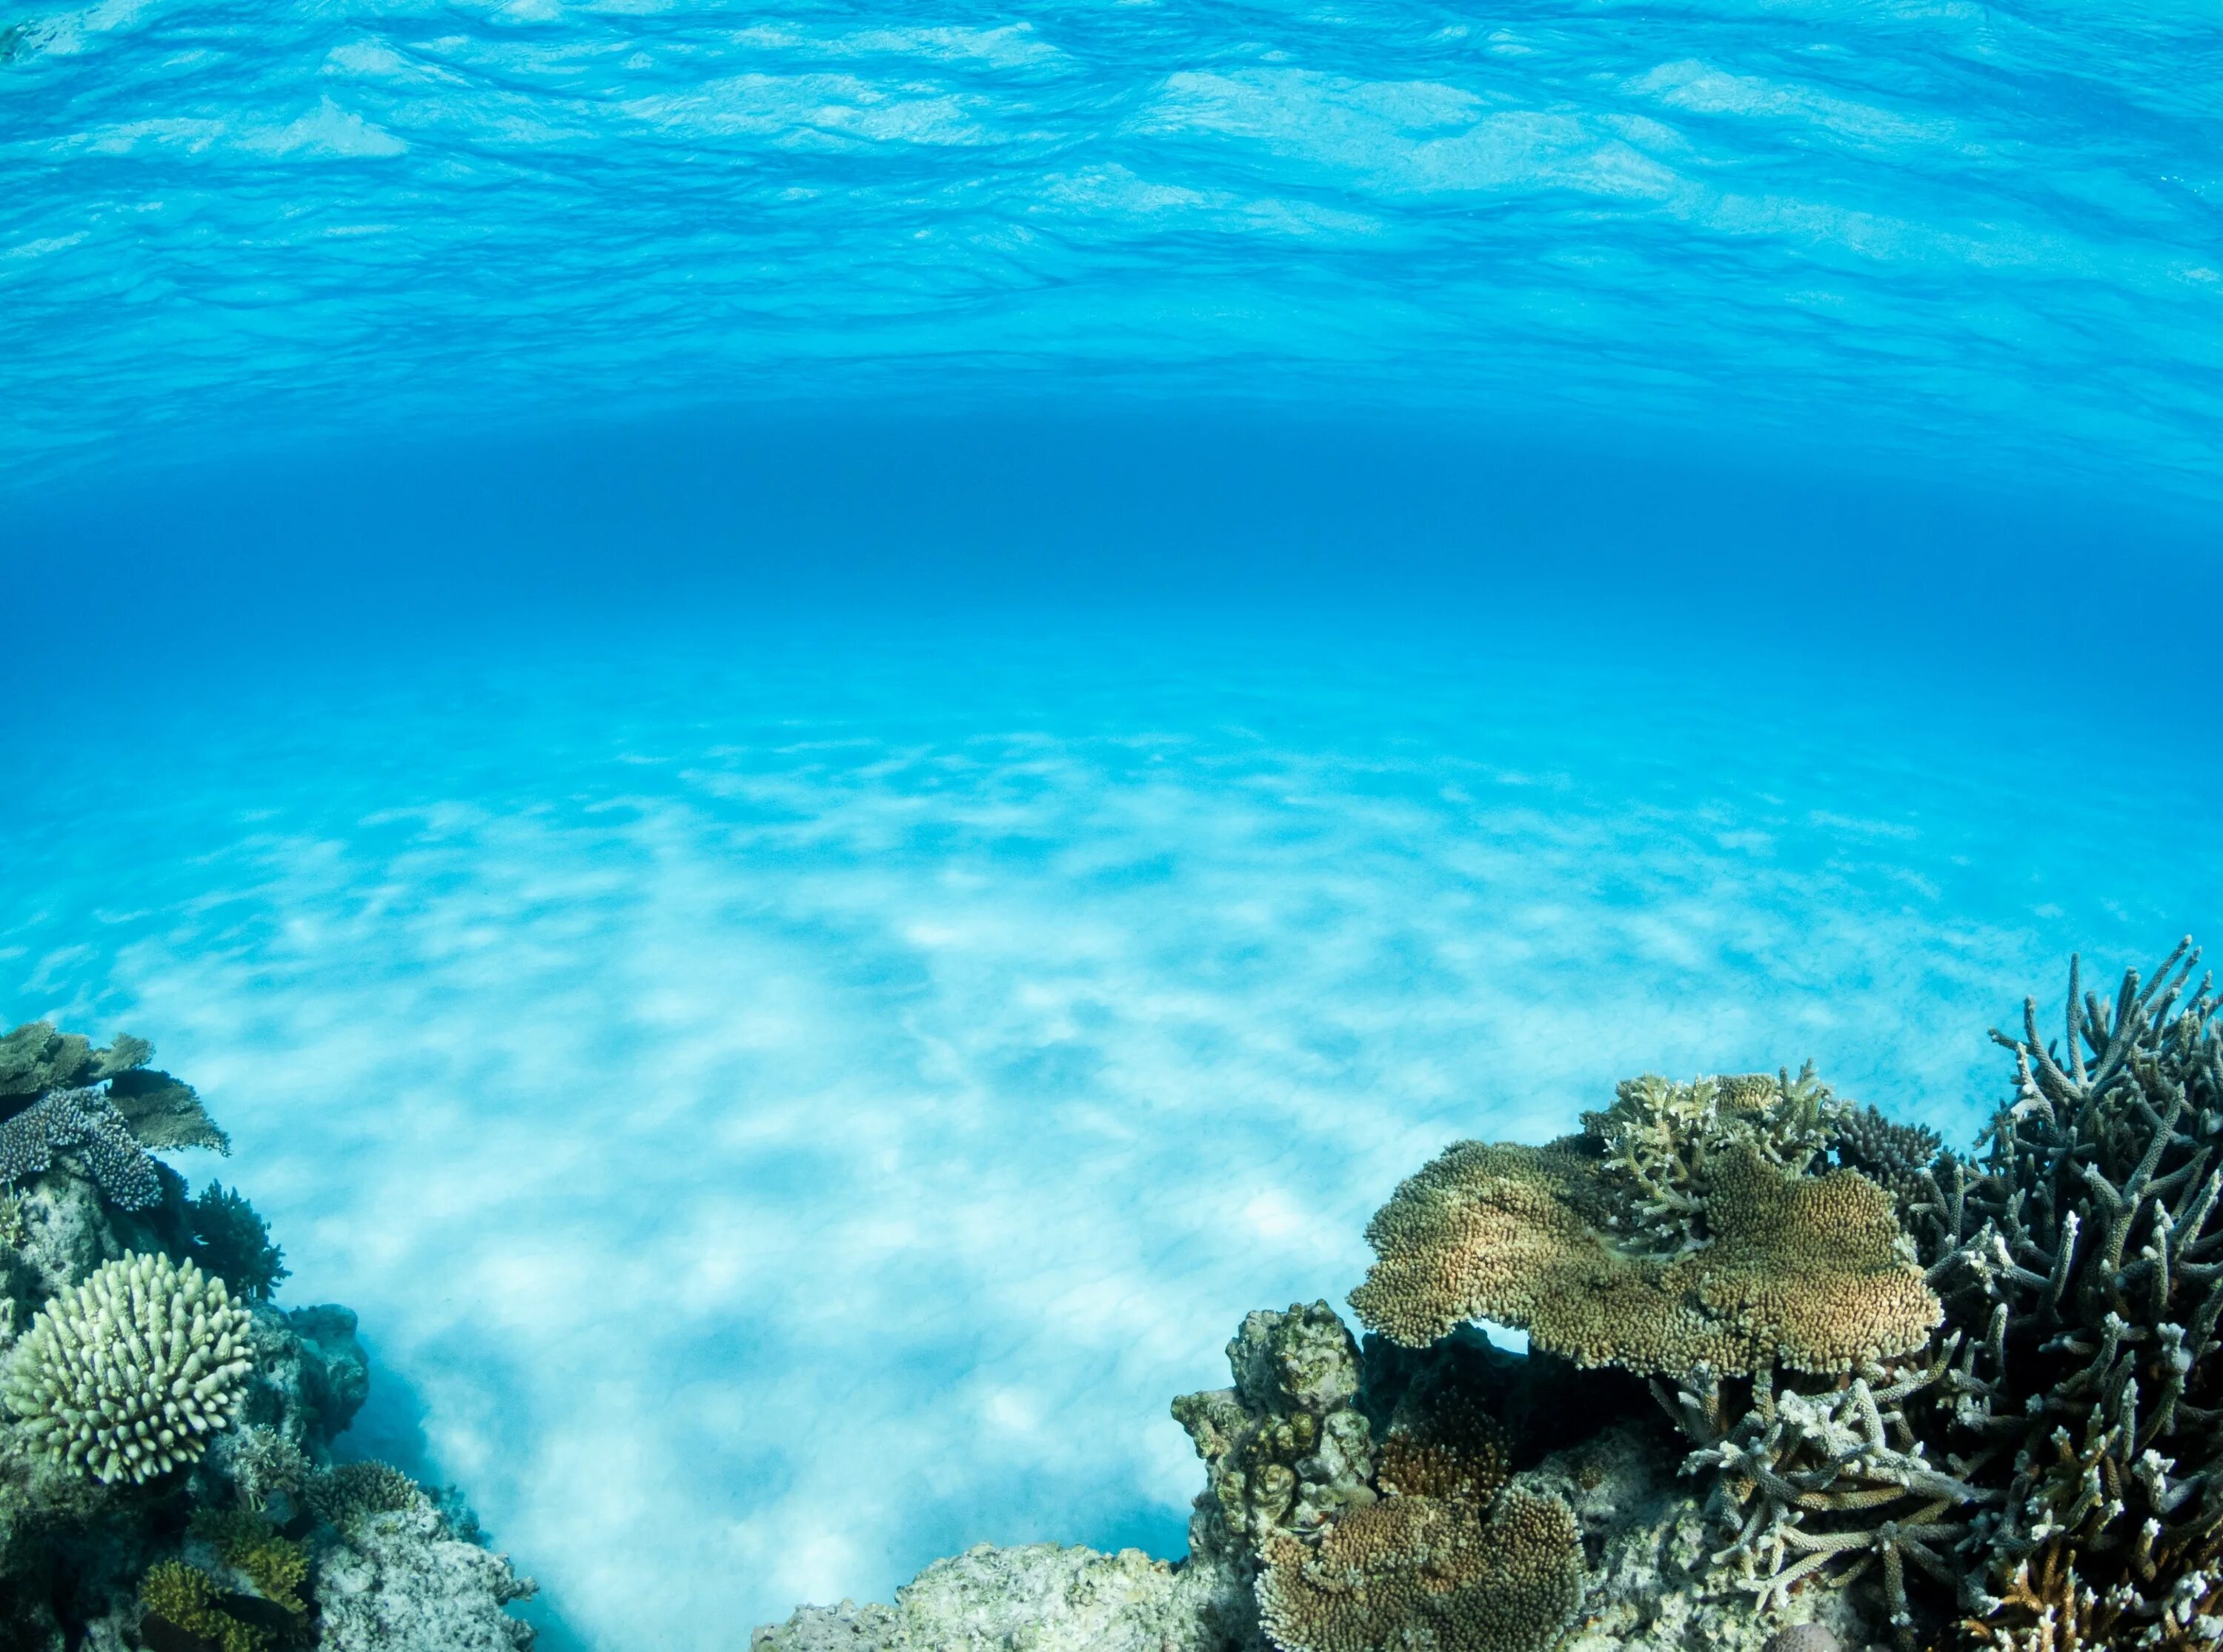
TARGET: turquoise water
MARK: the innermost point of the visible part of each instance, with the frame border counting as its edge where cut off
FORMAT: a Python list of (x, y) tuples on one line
[(826, 726)]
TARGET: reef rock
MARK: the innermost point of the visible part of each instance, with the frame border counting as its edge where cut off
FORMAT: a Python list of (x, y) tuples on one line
[(1042, 1596), (400, 1580)]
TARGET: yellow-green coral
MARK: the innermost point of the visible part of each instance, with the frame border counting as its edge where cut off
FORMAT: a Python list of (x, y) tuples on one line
[(1428, 1571), (188, 1599), (1810, 1272), (249, 1544)]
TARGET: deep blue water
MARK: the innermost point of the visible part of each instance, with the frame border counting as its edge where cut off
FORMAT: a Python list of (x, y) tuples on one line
[(828, 725)]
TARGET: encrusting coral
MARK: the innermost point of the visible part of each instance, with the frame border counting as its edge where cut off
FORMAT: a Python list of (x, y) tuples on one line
[(127, 1375), (1423, 1571)]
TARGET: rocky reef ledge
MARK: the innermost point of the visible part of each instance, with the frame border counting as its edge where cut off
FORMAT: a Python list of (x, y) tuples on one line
[(167, 1478), (1798, 1373)]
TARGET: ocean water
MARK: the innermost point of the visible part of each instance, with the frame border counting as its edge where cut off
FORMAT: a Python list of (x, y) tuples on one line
[(828, 725)]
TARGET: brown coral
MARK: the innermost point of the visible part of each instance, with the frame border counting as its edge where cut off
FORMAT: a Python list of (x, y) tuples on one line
[(1425, 1572), (1807, 1271)]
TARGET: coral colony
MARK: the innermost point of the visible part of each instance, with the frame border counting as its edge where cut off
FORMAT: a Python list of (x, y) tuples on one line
[(167, 1477), (1798, 1374)]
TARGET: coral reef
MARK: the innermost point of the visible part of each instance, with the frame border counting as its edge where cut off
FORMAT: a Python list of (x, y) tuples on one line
[(1799, 1378), (121, 1524), (127, 1374), (349, 1493)]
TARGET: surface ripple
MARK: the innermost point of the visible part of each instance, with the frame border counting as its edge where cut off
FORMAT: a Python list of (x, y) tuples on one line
[(1927, 227)]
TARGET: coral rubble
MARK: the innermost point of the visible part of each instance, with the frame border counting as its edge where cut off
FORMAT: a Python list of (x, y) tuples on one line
[(1798, 1377), (166, 1479)]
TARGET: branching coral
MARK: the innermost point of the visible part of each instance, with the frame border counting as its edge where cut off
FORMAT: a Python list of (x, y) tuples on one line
[(1660, 1141), (1828, 1483), (82, 1121), (233, 1243), (1807, 1269), (2082, 1264), (125, 1376), (348, 1493), (2053, 1459)]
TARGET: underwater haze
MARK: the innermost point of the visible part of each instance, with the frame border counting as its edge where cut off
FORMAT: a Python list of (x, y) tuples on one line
[(826, 726)]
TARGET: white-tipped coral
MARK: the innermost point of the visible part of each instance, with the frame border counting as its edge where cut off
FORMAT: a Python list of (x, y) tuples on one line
[(127, 1375)]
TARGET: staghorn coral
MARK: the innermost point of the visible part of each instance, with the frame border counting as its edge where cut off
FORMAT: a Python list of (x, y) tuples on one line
[(1827, 1484), (2082, 1269), (2052, 1460), (1660, 1140), (1423, 1571), (125, 1376), (1806, 1270)]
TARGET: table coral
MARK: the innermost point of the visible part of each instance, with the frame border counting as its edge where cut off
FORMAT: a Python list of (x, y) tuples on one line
[(1811, 1270), (59, 1092)]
